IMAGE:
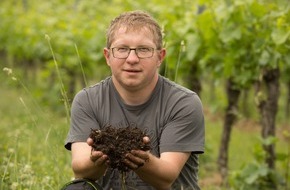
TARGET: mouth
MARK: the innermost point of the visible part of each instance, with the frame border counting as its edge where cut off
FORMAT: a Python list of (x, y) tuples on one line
[(132, 70)]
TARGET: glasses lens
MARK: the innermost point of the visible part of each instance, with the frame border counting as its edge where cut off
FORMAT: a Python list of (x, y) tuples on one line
[(144, 52), (121, 52)]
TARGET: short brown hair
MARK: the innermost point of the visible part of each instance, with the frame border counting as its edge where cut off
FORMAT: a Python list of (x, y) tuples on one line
[(134, 20)]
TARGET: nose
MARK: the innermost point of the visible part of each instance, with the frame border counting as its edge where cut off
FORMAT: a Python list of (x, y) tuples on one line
[(132, 56)]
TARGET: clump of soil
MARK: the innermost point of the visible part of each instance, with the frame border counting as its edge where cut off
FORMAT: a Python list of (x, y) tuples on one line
[(117, 142)]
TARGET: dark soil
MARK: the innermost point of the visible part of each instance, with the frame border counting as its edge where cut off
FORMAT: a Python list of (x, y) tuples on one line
[(117, 142)]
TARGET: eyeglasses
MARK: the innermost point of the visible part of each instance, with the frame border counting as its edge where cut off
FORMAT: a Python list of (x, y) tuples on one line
[(141, 52)]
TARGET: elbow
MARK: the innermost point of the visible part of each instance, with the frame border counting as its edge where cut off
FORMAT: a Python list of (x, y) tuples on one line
[(81, 170), (89, 170), (166, 182), (165, 185), (77, 169)]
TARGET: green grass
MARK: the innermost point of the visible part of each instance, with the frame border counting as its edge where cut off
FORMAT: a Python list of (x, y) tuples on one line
[(32, 155)]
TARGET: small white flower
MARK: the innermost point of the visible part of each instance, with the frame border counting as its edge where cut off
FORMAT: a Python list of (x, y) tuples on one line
[(27, 168), (183, 47), (11, 165), (11, 150), (7, 70), (46, 180), (47, 37), (14, 186)]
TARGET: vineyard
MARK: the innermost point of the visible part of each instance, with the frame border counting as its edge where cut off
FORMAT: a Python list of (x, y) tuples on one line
[(234, 53)]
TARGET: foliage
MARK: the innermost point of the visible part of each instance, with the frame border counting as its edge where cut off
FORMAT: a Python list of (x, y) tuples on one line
[(242, 37), (224, 38), (31, 148), (257, 175)]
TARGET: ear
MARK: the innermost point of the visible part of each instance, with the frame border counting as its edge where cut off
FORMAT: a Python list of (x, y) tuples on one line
[(161, 56), (106, 53)]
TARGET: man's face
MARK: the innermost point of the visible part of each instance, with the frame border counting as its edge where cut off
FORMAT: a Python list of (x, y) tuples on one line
[(134, 73)]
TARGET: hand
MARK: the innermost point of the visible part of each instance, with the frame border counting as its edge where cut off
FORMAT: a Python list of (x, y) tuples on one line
[(98, 157), (137, 158)]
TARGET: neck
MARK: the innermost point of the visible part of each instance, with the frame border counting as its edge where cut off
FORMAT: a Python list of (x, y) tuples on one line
[(135, 96)]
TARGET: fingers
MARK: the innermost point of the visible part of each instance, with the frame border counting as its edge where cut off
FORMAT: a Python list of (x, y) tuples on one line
[(98, 158), (146, 140), (136, 159), (90, 141)]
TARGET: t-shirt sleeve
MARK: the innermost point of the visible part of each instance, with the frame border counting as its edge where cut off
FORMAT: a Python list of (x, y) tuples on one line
[(82, 119), (184, 131)]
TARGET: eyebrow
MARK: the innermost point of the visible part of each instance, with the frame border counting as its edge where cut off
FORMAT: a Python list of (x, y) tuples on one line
[(140, 46)]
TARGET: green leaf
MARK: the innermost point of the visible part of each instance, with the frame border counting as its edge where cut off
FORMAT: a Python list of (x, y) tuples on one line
[(193, 44), (279, 36), (282, 156), (269, 140), (264, 59), (250, 174), (263, 171), (230, 32)]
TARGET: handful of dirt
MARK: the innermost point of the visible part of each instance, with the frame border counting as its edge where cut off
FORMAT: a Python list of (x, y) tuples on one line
[(117, 142)]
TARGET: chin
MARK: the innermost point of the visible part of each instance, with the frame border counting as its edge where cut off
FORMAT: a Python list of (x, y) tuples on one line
[(133, 85)]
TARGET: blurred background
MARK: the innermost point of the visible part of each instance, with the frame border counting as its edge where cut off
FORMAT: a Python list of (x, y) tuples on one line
[(234, 53)]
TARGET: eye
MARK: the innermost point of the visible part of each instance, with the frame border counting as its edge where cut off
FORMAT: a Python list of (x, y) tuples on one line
[(122, 49), (144, 49)]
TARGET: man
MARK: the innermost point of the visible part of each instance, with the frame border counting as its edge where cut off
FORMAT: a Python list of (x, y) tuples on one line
[(137, 95)]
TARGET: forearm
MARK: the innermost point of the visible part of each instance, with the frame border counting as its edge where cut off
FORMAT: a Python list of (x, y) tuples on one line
[(158, 173), (87, 169), (84, 166)]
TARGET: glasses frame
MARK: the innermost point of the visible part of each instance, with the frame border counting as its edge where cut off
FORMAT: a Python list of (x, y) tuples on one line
[(136, 52)]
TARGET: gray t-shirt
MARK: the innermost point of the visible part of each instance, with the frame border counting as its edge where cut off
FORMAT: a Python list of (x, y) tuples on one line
[(172, 118)]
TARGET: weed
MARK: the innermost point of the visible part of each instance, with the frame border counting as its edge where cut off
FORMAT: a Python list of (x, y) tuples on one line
[(62, 89)]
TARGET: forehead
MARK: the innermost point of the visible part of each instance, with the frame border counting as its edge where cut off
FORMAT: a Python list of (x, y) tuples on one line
[(125, 34)]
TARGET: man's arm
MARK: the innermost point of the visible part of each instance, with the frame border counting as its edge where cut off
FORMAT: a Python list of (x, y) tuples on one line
[(85, 166), (158, 172)]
